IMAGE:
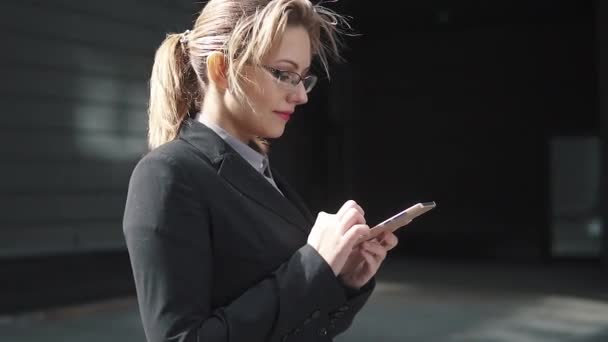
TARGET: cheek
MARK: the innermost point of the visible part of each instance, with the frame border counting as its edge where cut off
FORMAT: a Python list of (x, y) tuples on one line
[(266, 96)]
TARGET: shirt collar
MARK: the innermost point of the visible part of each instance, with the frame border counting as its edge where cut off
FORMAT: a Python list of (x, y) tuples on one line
[(253, 157)]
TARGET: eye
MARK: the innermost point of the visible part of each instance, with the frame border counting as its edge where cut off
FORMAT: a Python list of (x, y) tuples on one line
[(283, 76)]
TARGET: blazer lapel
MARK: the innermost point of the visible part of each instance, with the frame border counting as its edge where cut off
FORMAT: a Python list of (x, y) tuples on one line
[(252, 184), (294, 197), (238, 172)]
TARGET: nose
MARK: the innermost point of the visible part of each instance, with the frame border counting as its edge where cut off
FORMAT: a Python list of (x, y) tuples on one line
[(299, 95)]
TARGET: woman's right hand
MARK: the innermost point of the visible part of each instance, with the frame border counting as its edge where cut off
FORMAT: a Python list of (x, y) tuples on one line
[(333, 236)]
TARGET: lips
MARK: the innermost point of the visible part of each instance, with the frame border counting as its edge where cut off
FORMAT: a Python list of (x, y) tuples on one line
[(285, 115)]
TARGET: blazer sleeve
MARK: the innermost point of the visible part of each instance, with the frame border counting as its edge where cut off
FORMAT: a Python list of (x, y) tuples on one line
[(342, 317), (167, 232)]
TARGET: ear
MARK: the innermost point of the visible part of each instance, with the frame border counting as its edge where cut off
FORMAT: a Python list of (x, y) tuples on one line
[(217, 69)]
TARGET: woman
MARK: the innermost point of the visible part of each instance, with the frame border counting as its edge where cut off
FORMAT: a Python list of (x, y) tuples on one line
[(221, 247)]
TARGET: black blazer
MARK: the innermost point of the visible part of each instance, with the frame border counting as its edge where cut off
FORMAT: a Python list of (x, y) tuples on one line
[(218, 254)]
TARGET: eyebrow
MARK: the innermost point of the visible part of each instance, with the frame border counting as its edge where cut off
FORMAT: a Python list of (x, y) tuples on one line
[(295, 65)]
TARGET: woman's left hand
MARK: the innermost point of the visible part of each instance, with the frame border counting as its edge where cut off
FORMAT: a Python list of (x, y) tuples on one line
[(365, 260)]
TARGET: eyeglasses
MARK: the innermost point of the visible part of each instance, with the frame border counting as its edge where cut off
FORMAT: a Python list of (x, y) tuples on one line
[(291, 79)]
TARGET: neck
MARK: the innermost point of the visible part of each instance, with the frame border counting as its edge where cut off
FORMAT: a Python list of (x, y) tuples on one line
[(214, 110)]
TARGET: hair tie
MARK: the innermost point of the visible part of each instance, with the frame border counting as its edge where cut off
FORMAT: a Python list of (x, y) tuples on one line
[(184, 37)]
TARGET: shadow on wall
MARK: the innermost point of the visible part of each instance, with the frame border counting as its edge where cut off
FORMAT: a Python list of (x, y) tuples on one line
[(78, 119)]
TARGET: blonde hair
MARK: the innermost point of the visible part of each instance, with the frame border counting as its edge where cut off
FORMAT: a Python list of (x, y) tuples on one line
[(244, 31)]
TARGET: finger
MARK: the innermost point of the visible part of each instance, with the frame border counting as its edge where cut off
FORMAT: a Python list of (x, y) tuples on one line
[(349, 219), (389, 240), (373, 263), (352, 236), (359, 209), (375, 248), (348, 205)]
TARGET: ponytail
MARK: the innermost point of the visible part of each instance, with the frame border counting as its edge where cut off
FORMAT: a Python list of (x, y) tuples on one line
[(174, 91)]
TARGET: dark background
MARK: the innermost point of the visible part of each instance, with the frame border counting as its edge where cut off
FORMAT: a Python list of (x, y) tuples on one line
[(458, 102)]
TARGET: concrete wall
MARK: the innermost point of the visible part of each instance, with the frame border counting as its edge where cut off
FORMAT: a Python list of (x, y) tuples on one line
[(73, 100)]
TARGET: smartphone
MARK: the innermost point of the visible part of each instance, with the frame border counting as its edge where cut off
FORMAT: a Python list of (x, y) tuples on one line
[(399, 220)]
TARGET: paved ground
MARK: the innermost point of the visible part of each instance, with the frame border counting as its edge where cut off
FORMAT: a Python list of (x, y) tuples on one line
[(414, 301)]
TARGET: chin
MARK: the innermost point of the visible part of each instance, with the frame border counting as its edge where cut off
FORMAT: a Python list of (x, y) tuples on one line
[(274, 132)]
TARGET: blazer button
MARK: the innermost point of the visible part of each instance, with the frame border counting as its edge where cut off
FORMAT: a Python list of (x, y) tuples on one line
[(322, 331)]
